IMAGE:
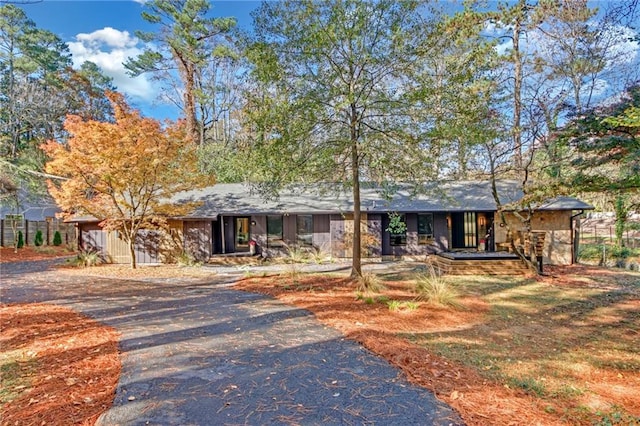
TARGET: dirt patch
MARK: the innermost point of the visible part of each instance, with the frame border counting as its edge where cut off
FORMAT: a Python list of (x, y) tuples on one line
[(58, 367), (31, 253)]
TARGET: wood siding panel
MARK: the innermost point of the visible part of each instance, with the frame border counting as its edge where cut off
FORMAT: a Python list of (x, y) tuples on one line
[(259, 233), (322, 232), (375, 231), (289, 229), (440, 232), (197, 239)]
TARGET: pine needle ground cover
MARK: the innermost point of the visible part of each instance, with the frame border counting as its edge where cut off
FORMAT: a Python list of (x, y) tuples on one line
[(558, 349), (56, 366)]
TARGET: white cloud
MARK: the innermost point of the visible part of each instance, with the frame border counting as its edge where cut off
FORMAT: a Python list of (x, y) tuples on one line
[(623, 49), (109, 49)]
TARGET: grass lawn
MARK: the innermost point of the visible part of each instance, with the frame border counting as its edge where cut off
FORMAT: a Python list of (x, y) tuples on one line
[(558, 349)]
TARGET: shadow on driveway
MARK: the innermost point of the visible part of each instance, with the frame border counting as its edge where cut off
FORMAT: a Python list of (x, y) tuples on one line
[(200, 353)]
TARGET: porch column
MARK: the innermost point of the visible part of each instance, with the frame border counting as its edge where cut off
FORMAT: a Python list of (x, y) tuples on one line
[(224, 248)]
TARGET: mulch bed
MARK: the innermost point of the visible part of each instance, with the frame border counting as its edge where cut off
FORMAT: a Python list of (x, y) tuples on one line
[(71, 364), (30, 253), (478, 400)]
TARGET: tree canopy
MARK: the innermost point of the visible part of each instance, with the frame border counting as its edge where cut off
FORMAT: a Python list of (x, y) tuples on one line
[(123, 173), (336, 98)]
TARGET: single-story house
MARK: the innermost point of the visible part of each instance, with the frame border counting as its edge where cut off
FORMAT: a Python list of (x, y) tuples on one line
[(233, 219)]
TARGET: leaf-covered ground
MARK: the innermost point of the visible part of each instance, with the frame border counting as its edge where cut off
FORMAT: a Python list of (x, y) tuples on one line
[(559, 349), (30, 253), (57, 366)]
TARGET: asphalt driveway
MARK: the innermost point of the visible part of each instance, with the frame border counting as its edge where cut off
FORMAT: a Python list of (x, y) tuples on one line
[(200, 353)]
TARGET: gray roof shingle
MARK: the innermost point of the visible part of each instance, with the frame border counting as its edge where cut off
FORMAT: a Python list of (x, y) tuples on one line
[(239, 199)]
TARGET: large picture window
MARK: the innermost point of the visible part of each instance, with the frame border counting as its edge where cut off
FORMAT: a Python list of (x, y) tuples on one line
[(304, 230), (425, 228), (274, 231)]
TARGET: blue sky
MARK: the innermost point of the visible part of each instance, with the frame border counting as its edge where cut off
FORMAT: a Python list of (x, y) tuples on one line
[(103, 32)]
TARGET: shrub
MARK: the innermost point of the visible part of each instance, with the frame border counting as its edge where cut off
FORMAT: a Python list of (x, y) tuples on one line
[(20, 242), (86, 258), (57, 239), (38, 240), (436, 289), (187, 259)]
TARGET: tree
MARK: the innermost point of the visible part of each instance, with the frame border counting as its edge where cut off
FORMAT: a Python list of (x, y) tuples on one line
[(57, 239), (336, 98), (605, 143), (123, 173), (38, 240), (189, 41), (29, 57), (38, 88)]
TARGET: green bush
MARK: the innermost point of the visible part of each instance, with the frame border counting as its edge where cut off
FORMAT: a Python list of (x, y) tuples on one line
[(20, 243), (590, 251), (38, 240), (57, 239), (614, 254)]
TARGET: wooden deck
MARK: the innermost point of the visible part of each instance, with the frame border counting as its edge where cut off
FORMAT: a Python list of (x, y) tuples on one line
[(479, 263)]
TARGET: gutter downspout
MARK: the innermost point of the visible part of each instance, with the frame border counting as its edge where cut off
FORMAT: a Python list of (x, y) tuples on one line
[(574, 254)]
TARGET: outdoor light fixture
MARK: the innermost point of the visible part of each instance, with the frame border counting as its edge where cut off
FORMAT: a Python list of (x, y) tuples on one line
[(481, 220)]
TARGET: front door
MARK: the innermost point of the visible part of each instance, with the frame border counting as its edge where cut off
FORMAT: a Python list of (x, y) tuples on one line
[(464, 230), (242, 233)]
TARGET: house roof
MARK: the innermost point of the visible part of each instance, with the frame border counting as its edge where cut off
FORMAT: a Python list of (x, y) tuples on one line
[(239, 199), (32, 207)]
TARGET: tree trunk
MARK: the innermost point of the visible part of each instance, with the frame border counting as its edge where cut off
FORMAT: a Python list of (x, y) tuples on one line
[(356, 266), (132, 252), (517, 94), (188, 77)]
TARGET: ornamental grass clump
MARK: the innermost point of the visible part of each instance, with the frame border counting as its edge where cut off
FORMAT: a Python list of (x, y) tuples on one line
[(88, 258), (369, 283), (434, 288)]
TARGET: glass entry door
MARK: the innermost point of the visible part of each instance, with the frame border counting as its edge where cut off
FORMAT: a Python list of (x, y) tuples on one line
[(242, 233), (464, 230)]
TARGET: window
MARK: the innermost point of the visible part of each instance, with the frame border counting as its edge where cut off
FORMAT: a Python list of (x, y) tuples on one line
[(274, 231), (304, 229), (398, 231), (425, 228)]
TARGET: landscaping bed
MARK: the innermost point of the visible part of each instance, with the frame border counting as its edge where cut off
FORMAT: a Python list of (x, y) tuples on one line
[(557, 349)]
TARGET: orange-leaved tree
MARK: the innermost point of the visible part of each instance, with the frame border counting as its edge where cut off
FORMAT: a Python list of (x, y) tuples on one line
[(124, 173)]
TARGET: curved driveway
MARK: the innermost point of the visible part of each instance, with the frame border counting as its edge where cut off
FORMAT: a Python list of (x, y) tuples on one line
[(200, 353)]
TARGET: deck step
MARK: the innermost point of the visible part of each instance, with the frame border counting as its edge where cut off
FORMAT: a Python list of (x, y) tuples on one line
[(480, 267)]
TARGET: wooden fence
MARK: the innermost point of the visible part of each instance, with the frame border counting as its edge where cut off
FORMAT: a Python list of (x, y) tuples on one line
[(9, 229), (606, 234)]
